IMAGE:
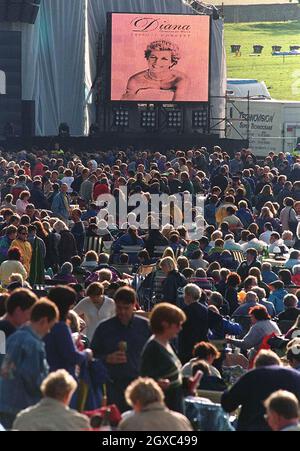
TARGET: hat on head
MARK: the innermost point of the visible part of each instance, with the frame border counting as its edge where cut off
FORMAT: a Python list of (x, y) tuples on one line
[(277, 284)]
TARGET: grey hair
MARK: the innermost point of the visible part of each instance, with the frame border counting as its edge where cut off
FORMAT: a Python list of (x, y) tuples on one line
[(290, 300), (144, 390), (192, 290), (261, 292), (59, 226), (251, 296), (266, 266)]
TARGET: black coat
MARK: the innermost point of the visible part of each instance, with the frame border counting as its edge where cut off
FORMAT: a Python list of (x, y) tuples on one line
[(155, 239), (253, 389), (66, 247), (194, 330), (39, 199), (173, 281)]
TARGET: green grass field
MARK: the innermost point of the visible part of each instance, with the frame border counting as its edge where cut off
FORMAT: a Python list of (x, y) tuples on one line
[(281, 75)]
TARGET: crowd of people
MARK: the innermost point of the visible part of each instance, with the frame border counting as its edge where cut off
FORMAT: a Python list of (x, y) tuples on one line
[(140, 315)]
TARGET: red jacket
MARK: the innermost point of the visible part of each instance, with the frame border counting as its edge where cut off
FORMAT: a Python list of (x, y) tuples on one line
[(38, 169), (100, 189), (296, 279)]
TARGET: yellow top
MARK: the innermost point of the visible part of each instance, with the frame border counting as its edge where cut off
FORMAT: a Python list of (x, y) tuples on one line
[(26, 252), (10, 267)]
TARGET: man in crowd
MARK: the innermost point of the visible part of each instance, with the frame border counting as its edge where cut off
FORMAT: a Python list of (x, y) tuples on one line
[(52, 412), (24, 366), (119, 342), (283, 413)]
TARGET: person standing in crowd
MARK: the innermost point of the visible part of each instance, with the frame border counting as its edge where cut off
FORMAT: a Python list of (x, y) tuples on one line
[(119, 342), (173, 282), (67, 244), (60, 348), (22, 202), (159, 361), (195, 328), (24, 366), (22, 243), (78, 230), (6, 240), (95, 308), (60, 205), (37, 266), (18, 310), (267, 377)]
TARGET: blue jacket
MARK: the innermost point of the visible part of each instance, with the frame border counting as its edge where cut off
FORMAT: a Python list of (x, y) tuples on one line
[(228, 328), (126, 240), (59, 208), (277, 299), (22, 372), (107, 338), (5, 243), (245, 216), (269, 277), (253, 389), (210, 214), (61, 351)]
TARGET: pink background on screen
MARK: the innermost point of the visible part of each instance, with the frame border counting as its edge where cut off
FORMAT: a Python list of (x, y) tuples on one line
[(128, 49)]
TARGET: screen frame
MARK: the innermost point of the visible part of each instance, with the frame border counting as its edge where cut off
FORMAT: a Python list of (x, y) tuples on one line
[(152, 102)]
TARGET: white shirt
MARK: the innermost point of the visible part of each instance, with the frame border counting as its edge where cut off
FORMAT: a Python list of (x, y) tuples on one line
[(94, 164), (94, 315), (68, 181), (278, 243), (255, 244), (21, 206), (187, 369), (266, 236)]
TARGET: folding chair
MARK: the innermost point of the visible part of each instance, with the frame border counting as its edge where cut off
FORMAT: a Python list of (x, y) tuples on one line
[(132, 252), (93, 243), (238, 256)]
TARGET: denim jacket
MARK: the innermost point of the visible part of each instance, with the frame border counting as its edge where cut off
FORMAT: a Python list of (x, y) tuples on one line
[(22, 371)]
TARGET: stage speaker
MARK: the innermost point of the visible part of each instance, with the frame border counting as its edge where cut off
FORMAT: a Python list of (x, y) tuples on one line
[(28, 118), (19, 10)]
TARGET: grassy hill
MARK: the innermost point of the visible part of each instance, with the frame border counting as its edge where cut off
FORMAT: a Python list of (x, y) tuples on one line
[(282, 75)]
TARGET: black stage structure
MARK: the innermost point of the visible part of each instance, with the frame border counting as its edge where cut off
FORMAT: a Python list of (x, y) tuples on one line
[(119, 141), (144, 124)]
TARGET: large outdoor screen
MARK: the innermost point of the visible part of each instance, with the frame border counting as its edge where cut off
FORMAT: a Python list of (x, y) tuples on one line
[(160, 58)]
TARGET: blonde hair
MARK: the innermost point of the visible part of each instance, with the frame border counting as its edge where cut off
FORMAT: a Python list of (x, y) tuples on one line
[(104, 275), (59, 226), (168, 252), (169, 262), (15, 277), (167, 230), (216, 235), (58, 385), (144, 390)]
